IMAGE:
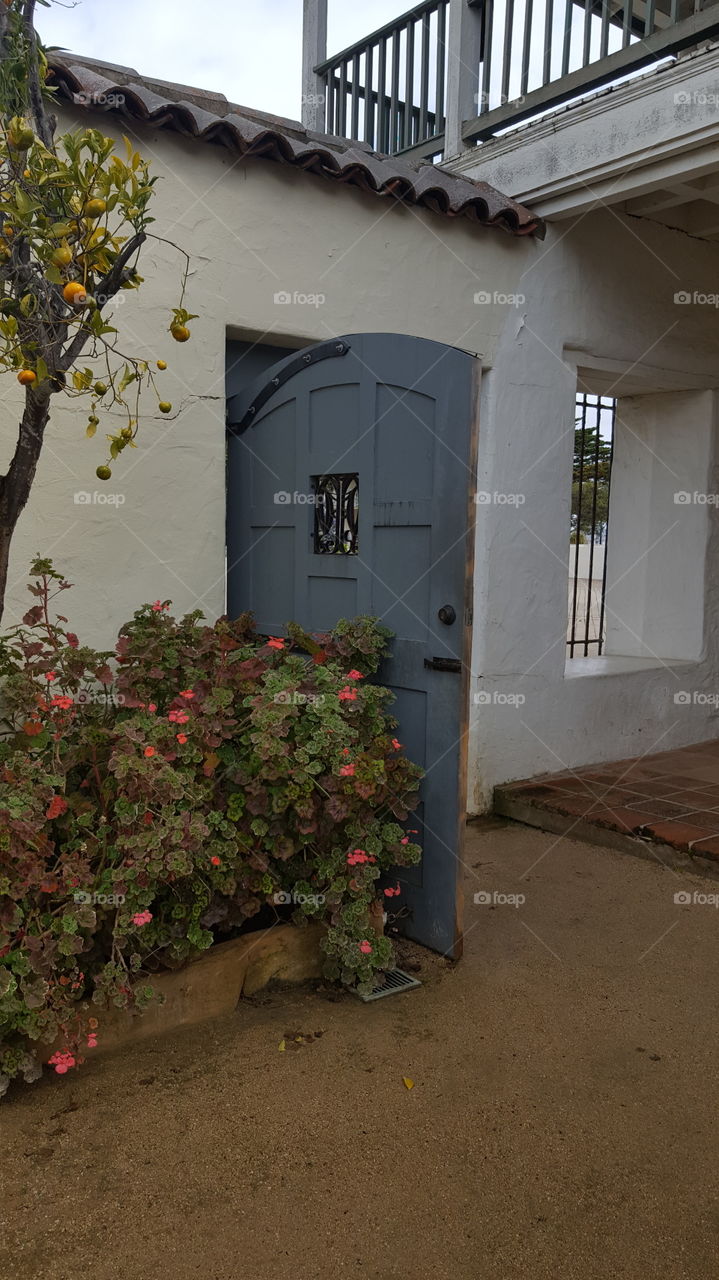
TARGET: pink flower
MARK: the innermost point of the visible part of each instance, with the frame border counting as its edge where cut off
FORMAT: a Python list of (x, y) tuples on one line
[(158, 606), (51, 675), (275, 643), (357, 856), (61, 700), (347, 770), (92, 1040), (404, 840), (365, 947), (354, 674), (152, 706), (141, 917), (347, 694), (150, 751), (392, 893), (396, 744), (62, 1060), (186, 693), (178, 717), (181, 738)]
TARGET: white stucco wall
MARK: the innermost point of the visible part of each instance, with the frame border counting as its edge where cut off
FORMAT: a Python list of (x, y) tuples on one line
[(253, 229), (600, 297), (597, 295)]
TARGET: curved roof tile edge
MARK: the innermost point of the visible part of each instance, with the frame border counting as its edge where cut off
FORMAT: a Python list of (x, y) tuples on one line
[(427, 185)]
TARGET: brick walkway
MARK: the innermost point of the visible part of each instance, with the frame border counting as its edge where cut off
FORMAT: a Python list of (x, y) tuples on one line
[(670, 798)]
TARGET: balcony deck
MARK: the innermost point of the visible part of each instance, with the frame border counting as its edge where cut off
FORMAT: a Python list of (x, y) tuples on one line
[(449, 74)]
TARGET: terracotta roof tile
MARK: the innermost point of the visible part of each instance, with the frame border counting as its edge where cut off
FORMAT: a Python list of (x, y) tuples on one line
[(211, 118)]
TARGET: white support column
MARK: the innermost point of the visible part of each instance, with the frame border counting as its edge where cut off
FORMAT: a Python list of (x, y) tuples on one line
[(464, 45), (314, 51)]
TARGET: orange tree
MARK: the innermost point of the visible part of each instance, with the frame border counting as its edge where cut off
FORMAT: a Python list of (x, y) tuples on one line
[(74, 216)]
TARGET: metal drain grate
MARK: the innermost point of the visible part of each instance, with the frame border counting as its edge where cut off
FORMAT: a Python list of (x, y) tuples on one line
[(394, 980)]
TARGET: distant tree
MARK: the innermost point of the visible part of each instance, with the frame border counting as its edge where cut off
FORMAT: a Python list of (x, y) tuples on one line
[(590, 483)]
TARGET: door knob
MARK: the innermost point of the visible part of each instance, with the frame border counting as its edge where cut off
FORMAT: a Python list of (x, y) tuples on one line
[(447, 614)]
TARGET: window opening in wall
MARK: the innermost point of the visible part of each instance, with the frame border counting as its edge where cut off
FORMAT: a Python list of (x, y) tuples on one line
[(591, 478)]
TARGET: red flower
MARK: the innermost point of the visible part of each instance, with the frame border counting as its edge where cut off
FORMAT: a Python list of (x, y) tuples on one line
[(275, 643), (51, 675), (150, 751), (178, 717), (61, 700), (319, 657), (365, 947), (347, 694), (186, 693), (56, 807), (347, 770), (216, 862), (158, 606), (181, 738), (354, 674), (396, 744), (152, 706)]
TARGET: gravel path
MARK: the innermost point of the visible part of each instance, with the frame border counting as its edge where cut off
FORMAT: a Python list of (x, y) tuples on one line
[(562, 1124)]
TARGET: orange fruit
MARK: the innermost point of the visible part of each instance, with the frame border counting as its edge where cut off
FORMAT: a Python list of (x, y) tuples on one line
[(162, 364), (180, 332), (19, 135), (26, 377), (62, 257), (94, 208), (75, 293)]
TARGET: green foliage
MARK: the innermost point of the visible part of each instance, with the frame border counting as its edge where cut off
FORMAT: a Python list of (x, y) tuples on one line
[(157, 797), (74, 215), (590, 482)]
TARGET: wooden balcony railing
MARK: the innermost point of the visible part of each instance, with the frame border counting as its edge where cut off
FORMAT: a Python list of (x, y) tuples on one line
[(451, 73), (389, 90)]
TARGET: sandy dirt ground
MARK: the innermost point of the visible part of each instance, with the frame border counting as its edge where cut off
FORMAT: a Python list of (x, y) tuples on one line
[(563, 1120)]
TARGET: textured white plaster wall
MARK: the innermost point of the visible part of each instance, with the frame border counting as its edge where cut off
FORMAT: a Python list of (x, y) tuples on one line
[(607, 292), (253, 230)]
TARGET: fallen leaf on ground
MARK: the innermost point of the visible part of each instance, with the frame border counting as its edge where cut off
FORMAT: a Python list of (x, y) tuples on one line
[(408, 1084), (281, 1046)]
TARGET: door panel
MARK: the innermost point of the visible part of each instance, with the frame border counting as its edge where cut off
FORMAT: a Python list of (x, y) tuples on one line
[(399, 413)]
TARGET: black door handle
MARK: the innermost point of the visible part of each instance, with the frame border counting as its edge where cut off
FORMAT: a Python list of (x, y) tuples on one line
[(443, 664)]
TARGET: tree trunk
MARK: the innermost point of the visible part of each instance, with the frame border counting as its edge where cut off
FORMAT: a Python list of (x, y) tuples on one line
[(15, 486)]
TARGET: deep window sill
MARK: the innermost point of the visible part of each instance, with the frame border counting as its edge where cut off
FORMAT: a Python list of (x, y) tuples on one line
[(611, 664)]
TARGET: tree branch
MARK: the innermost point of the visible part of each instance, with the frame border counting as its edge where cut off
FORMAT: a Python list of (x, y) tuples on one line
[(105, 291), (43, 126)]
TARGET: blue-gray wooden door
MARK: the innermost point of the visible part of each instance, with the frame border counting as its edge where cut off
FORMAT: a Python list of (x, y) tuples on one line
[(399, 413)]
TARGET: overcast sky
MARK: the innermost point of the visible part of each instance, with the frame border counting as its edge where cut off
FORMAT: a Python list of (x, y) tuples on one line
[(250, 50)]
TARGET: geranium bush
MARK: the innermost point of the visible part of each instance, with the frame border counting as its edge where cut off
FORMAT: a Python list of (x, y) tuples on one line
[(157, 797)]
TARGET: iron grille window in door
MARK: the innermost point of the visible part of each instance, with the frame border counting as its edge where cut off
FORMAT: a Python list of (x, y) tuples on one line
[(591, 479), (336, 514)]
